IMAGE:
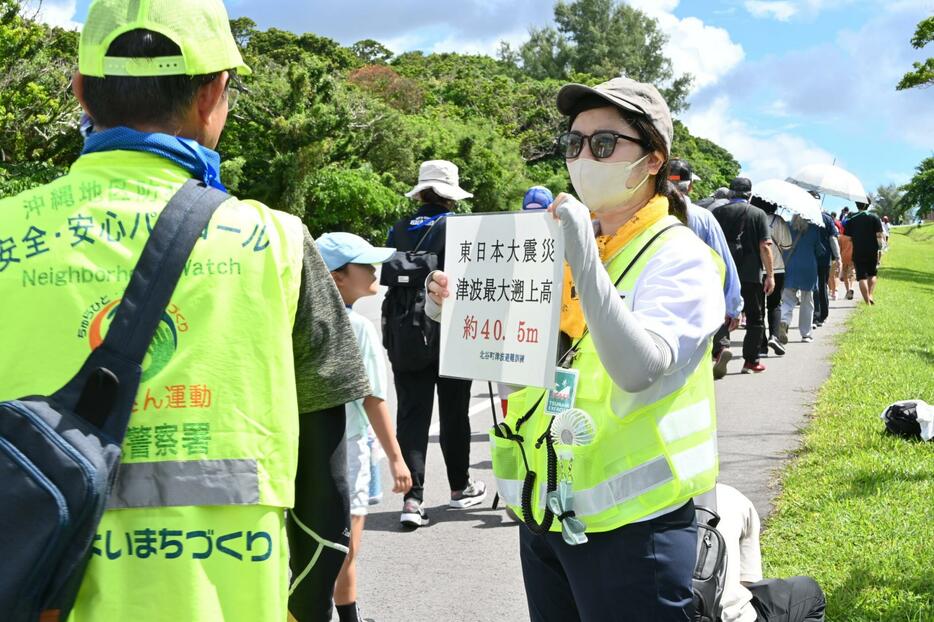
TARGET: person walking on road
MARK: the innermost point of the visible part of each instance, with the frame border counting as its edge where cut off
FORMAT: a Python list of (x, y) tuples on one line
[(827, 253), (415, 358), (781, 238), (865, 230), (703, 223), (800, 278), (847, 269), (646, 381), (352, 263), (747, 231)]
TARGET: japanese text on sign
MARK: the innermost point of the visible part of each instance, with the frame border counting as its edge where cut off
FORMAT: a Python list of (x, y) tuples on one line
[(500, 320)]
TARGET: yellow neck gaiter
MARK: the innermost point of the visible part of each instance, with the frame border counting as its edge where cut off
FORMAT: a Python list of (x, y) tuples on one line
[(572, 315)]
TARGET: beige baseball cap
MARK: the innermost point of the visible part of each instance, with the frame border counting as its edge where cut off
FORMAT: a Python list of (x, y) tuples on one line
[(627, 94)]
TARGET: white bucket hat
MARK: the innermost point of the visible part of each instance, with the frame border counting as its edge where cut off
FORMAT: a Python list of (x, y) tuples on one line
[(441, 176)]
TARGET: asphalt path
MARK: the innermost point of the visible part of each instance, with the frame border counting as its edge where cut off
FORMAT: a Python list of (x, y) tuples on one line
[(464, 565)]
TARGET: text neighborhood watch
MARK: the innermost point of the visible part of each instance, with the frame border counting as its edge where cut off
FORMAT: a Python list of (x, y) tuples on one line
[(210, 453), (639, 462)]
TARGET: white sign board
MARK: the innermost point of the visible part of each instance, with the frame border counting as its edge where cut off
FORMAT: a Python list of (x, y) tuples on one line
[(505, 274)]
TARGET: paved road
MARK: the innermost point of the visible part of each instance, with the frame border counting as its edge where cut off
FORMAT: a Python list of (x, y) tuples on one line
[(465, 566)]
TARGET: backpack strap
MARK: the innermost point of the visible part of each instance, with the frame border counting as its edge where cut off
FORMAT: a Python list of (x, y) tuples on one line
[(430, 228)]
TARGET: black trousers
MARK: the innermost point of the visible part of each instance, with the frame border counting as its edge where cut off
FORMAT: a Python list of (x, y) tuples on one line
[(721, 339), (320, 482), (754, 308), (415, 391), (640, 572), (822, 299), (773, 304), (773, 309), (796, 599)]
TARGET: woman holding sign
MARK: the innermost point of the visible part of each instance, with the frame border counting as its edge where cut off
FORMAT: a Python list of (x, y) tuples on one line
[(605, 488)]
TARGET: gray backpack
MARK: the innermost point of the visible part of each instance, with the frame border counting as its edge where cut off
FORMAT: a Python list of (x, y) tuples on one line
[(709, 576), (59, 453)]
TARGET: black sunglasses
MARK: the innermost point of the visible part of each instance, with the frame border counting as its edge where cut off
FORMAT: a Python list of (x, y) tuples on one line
[(602, 143)]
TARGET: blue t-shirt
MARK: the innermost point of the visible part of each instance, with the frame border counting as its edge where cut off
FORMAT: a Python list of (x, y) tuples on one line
[(801, 265)]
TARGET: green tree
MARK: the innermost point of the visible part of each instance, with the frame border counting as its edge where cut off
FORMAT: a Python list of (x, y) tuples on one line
[(242, 29), (38, 114), (887, 201), (371, 52), (712, 163), (923, 74), (919, 192), (603, 39)]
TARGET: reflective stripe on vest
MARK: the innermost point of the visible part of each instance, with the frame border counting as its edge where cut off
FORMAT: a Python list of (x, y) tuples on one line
[(639, 462), (190, 482), (643, 478)]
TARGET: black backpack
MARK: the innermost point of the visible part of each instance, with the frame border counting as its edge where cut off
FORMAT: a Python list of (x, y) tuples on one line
[(901, 419), (735, 238), (59, 454), (710, 568), (411, 339)]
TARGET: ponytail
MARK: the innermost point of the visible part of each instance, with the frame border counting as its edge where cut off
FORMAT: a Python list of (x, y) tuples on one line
[(677, 207)]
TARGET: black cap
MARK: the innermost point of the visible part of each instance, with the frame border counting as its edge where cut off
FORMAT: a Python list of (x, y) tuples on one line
[(680, 170), (741, 184)]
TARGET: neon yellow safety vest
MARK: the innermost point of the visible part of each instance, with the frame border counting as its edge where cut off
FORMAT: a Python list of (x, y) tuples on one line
[(195, 527), (639, 462)]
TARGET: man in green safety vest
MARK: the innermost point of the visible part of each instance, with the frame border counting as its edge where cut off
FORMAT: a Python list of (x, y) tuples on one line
[(255, 334)]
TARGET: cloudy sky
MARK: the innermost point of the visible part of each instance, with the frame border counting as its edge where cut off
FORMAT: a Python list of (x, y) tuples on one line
[(781, 84)]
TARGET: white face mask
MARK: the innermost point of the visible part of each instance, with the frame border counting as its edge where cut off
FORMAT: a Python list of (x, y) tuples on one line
[(602, 185)]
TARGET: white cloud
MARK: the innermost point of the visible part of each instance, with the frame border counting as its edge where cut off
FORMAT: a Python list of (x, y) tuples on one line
[(706, 52), (763, 155), (56, 13), (847, 81), (480, 45), (782, 11), (899, 178), (654, 7)]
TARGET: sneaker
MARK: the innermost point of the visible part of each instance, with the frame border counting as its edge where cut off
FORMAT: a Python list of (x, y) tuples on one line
[(814, 325), (752, 368), (413, 516), (849, 294), (782, 333), (776, 346), (807, 339), (719, 365), (472, 495)]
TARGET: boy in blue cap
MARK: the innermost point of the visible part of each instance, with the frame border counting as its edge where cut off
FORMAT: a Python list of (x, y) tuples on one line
[(351, 261)]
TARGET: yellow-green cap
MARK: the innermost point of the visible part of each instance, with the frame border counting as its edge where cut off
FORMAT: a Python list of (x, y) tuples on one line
[(200, 28)]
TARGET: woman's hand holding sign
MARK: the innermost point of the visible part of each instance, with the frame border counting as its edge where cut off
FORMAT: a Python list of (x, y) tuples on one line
[(438, 286)]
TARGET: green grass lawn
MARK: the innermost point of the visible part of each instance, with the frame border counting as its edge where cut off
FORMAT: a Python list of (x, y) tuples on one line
[(856, 510)]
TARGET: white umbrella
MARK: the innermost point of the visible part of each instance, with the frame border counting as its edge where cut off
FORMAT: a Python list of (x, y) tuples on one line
[(789, 200), (830, 179)]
